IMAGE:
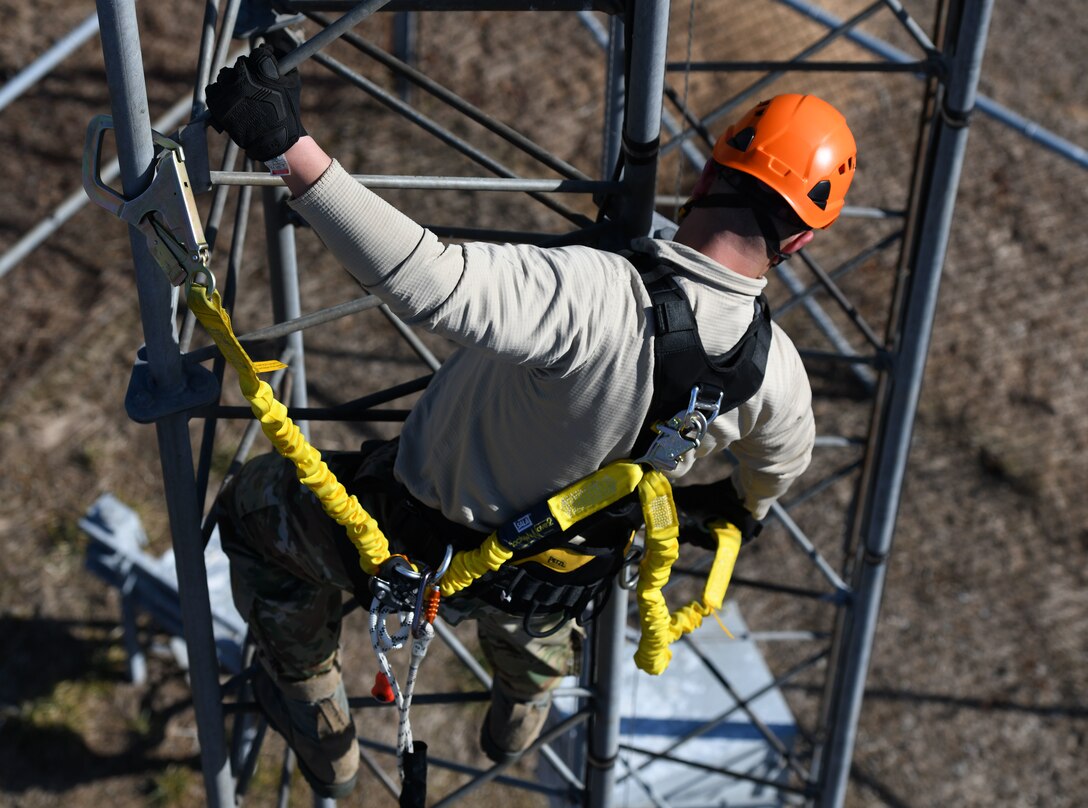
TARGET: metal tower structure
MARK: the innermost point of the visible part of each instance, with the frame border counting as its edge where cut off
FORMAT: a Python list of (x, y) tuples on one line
[(839, 524)]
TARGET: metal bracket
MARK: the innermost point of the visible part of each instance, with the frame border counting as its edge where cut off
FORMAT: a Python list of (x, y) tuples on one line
[(145, 403)]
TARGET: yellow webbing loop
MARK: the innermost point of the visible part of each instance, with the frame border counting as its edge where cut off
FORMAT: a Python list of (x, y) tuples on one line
[(690, 617), (287, 439), (599, 490), (468, 565), (662, 550), (575, 502)]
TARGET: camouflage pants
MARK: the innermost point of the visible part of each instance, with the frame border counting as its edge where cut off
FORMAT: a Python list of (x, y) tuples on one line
[(290, 565)]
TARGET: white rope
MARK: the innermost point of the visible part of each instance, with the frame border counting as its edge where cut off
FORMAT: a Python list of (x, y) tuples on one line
[(383, 641)]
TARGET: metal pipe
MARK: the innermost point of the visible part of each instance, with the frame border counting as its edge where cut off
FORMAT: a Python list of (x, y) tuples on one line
[(919, 67), (611, 42), (802, 541), (44, 64), (283, 329), (604, 726), (311, 46), (913, 28), (877, 525), (234, 266), (825, 325), (642, 125), (204, 57), (409, 336), (286, 301), (125, 77), (848, 308), (508, 183), (405, 38)]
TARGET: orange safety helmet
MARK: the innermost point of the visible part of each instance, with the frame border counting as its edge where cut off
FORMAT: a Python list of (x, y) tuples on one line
[(801, 147)]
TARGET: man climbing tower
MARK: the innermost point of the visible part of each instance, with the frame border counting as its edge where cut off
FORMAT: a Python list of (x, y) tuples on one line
[(557, 374)]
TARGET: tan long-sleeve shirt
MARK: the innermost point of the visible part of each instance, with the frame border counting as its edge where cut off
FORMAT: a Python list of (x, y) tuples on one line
[(555, 373)]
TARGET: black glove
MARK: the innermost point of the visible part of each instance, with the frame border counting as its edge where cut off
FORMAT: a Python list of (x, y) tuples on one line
[(699, 505), (256, 106)]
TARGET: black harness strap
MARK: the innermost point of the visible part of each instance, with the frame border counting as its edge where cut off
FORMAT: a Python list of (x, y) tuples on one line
[(681, 362)]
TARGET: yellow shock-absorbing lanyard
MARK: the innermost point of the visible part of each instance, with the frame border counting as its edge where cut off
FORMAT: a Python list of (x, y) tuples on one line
[(576, 502), (287, 439)]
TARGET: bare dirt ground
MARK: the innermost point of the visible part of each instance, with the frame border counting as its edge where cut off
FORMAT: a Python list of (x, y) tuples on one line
[(978, 693)]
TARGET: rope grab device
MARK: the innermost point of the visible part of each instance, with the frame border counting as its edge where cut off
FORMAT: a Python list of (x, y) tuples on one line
[(166, 214)]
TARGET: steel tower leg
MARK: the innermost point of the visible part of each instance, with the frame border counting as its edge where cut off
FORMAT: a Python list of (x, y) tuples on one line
[(642, 129), (168, 380), (641, 132), (901, 394), (604, 727)]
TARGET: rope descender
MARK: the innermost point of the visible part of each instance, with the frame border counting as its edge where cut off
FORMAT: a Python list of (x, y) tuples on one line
[(165, 212)]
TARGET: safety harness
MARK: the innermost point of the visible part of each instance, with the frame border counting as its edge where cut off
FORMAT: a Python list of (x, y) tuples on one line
[(166, 213), (561, 572)]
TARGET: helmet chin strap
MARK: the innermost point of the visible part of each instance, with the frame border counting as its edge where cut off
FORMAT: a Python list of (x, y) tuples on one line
[(763, 219)]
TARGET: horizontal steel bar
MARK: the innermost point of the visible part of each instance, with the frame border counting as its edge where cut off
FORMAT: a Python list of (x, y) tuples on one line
[(607, 6), (495, 772), (784, 636), (923, 67), (560, 186), (462, 768), (847, 212), (706, 767)]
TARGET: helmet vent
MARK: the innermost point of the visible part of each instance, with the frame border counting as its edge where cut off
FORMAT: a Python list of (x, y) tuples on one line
[(820, 193), (742, 139)]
